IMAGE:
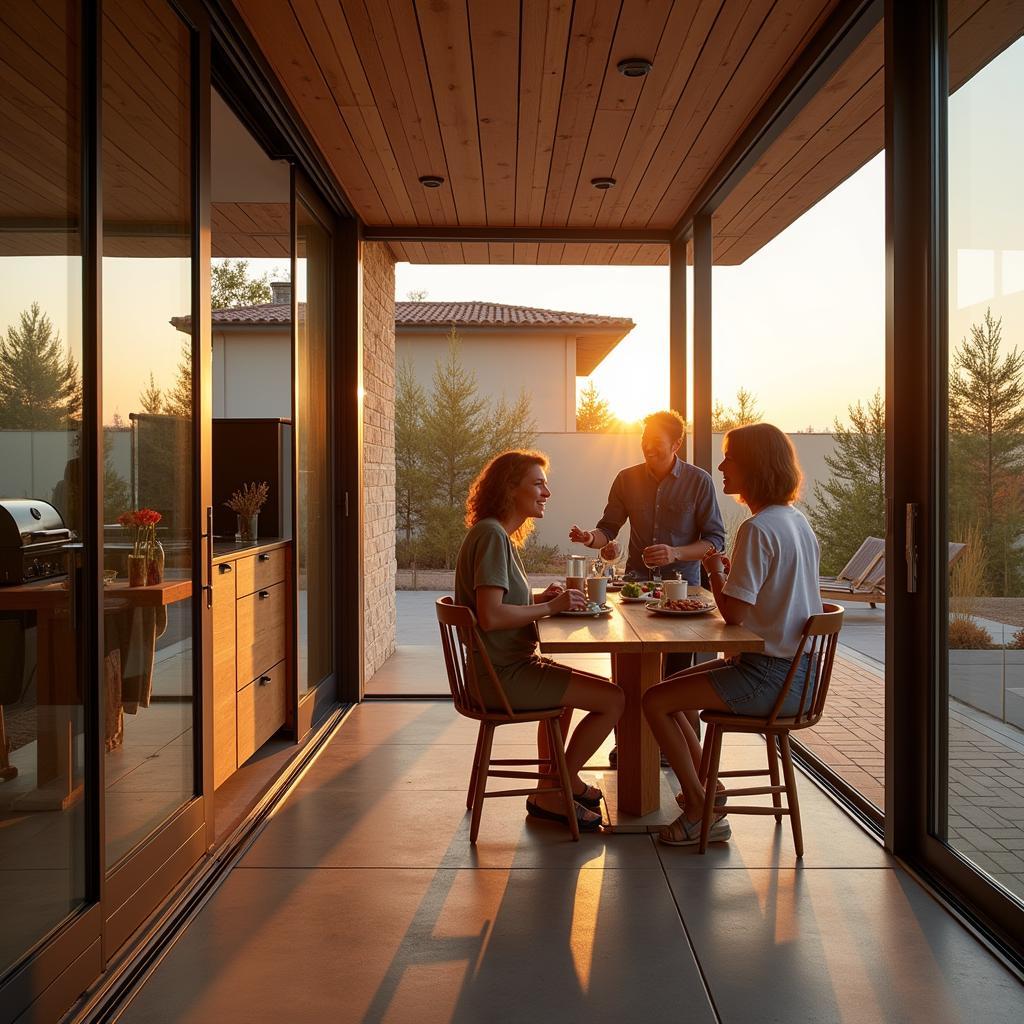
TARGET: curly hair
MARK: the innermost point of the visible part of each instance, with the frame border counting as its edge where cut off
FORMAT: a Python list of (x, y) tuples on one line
[(769, 459), (490, 494)]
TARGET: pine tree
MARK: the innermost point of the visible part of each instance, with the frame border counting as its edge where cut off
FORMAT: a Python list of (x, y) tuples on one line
[(411, 491), (593, 414), (850, 505), (231, 286), (986, 424), (745, 411), (178, 400), (40, 387), (151, 398)]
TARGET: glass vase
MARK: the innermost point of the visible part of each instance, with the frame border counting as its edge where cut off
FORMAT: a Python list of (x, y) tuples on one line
[(136, 570), (247, 528), (155, 564)]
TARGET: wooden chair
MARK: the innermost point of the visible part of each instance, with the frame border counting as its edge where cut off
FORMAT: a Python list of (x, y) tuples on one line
[(460, 639), (819, 641)]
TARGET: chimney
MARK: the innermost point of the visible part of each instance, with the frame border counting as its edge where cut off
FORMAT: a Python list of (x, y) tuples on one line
[(281, 292)]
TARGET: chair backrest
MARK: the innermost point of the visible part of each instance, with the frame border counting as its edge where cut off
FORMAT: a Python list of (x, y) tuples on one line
[(818, 641), (460, 639)]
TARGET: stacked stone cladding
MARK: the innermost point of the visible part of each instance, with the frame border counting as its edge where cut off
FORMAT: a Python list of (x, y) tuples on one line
[(378, 455)]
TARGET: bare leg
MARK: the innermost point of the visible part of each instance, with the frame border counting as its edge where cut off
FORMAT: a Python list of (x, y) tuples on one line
[(675, 735), (604, 701)]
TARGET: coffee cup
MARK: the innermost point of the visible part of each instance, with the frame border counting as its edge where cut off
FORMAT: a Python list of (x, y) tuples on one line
[(597, 589), (675, 590)]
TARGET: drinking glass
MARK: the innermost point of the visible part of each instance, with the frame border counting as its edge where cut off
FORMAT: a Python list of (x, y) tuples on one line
[(655, 570)]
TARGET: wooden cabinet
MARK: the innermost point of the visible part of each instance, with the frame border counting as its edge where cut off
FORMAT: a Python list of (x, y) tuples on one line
[(251, 625)]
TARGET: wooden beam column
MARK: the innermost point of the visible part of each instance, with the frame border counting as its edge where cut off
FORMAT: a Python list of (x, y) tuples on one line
[(677, 327), (702, 341)]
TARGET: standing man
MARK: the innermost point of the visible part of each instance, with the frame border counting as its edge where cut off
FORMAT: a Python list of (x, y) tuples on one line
[(674, 519)]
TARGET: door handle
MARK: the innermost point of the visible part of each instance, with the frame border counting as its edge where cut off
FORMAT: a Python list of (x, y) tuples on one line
[(910, 548), (264, 680), (209, 556), (264, 594), (263, 556), (225, 567)]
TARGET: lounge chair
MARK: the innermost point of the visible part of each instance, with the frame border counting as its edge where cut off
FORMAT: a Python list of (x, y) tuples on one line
[(863, 577)]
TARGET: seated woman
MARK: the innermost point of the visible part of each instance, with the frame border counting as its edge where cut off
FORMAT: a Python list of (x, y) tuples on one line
[(771, 587), (510, 492)]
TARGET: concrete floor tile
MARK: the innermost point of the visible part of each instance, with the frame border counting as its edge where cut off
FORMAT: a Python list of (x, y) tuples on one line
[(434, 947), (427, 829), (850, 946)]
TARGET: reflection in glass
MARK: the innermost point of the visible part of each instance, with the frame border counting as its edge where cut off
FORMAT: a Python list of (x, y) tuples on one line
[(147, 416), (981, 810), (42, 836), (314, 536)]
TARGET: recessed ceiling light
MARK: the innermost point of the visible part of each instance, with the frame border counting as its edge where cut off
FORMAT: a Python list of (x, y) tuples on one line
[(431, 181), (634, 67), (603, 183)]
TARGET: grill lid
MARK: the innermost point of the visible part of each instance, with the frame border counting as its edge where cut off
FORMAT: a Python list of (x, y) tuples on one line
[(27, 521)]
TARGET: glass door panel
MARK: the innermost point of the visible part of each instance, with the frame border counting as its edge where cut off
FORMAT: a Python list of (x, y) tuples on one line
[(42, 823), (314, 534), (148, 421), (979, 811)]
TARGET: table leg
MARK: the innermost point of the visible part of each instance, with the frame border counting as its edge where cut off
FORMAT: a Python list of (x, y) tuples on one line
[(639, 776)]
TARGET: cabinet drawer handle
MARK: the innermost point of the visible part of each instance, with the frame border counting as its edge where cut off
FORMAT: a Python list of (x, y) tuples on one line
[(264, 680), (226, 567), (264, 594), (264, 556)]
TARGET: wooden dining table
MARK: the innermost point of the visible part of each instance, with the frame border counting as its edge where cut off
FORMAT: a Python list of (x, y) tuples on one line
[(637, 639)]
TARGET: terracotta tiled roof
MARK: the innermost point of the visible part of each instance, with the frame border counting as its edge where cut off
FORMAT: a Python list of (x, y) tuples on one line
[(258, 315), (485, 314)]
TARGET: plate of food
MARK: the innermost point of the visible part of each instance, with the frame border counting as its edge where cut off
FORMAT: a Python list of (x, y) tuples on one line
[(635, 593), (686, 606), (592, 611)]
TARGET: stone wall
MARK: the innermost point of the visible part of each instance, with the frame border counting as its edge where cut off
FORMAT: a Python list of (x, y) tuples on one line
[(378, 454)]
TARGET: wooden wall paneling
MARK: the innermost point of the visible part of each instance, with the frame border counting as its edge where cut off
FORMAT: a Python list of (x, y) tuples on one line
[(494, 38), (444, 29), (730, 36), (395, 79), (984, 31), (599, 254), (327, 33), (624, 255), (475, 252), (640, 28), (757, 70), (651, 255), (590, 40), (550, 253), (682, 41), (274, 27)]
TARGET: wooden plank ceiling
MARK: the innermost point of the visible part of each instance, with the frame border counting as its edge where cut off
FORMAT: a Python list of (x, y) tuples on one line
[(519, 105)]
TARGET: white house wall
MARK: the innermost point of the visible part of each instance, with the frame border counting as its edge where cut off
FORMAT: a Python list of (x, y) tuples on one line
[(252, 373), (505, 361)]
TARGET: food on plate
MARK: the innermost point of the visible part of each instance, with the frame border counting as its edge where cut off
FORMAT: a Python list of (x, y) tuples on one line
[(630, 590), (686, 604)]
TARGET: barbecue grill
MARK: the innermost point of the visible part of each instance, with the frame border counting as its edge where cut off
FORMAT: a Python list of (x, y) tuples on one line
[(33, 541)]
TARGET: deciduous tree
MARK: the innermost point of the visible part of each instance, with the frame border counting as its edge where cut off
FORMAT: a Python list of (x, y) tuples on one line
[(593, 414), (231, 286)]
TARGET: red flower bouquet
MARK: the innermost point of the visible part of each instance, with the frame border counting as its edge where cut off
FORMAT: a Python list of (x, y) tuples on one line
[(145, 564)]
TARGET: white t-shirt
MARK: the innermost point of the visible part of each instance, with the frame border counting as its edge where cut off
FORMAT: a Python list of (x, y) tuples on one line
[(775, 569)]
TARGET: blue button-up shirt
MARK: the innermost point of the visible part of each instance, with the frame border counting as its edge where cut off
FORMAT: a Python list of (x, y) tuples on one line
[(680, 509)]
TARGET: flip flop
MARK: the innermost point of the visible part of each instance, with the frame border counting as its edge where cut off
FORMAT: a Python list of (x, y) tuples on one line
[(585, 824)]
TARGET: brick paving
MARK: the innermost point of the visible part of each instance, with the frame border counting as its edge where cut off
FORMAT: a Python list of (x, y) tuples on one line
[(986, 767)]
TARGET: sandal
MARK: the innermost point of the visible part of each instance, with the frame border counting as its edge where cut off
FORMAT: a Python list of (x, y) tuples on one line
[(687, 833), (721, 798), (591, 798), (585, 823)]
